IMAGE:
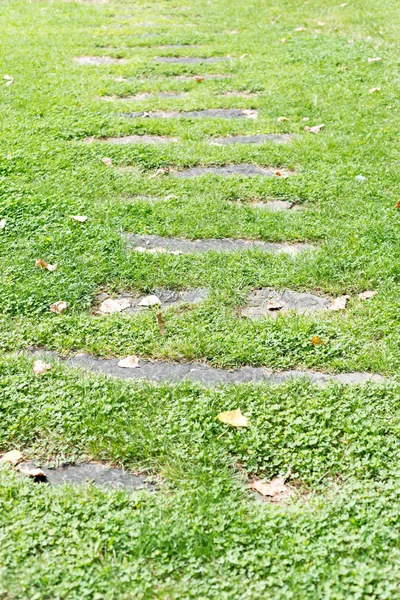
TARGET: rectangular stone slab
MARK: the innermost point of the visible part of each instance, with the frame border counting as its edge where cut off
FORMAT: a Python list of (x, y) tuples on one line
[(277, 138), (178, 245), (241, 170), (134, 139), (189, 60), (209, 113)]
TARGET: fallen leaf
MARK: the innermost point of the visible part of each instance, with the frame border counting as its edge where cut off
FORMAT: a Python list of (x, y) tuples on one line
[(283, 119), (275, 488), (9, 80), (397, 204), (107, 161), (40, 367), (375, 59), (130, 362), (283, 40), (2, 223), (234, 418), (243, 56), (373, 90), (150, 301), (233, 32), (198, 78), (79, 218), (316, 341), (30, 470), (367, 295), (315, 129), (339, 303), (111, 306), (343, 4), (58, 307), (300, 29), (160, 323), (44, 265), (13, 457), (321, 23)]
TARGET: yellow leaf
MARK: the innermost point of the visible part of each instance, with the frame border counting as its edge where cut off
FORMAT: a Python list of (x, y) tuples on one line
[(13, 457), (282, 119), (160, 323), (44, 265), (316, 341), (234, 418)]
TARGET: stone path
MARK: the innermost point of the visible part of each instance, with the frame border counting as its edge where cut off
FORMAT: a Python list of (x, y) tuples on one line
[(170, 372), (92, 473), (270, 302), (189, 60), (168, 298), (143, 243), (241, 170), (278, 138), (209, 113)]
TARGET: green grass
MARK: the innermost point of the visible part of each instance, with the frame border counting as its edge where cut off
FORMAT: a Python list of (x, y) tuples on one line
[(202, 535)]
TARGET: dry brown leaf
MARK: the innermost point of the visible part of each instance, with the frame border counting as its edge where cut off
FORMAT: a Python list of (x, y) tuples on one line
[(198, 78), (31, 471), (160, 323), (274, 305), (40, 367), (373, 90), (2, 223), (150, 301), (13, 457), (339, 303), (110, 306), (107, 161), (58, 307), (234, 418), (130, 362), (44, 265), (300, 29), (316, 341), (315, 129), (283, 119), (8, 79), (274, 489), (321, 23), (397, 204), (367, 295), (79, 218), (375, 59)]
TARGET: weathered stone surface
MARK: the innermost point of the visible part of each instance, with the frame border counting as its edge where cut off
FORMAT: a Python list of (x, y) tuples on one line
[(189, 60), (156, 243), (96, 473), (264, 302), (277, 138), (210, 113), (160, 371), (241, 170), (276, 205), (205, 76), (134, 139), (144, 96), (168, 298), (98, 60)]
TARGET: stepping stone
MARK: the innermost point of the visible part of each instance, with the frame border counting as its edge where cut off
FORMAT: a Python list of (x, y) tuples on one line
[(96, 473), (277, 138), (266, 302), (98, 60), (155, 244), (207, 76), (144, 96), (162, 371), (210, 113), (189, 60), (240, 170), (238, 95), (275, 205), (168, 299), (134, 139)]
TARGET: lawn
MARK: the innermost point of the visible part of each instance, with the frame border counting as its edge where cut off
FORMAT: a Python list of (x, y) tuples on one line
[(204, 533)]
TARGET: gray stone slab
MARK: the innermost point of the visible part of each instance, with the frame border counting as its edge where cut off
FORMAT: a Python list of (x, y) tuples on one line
[(240, 170), (275, 205), (134, 139), (168, 298), (165, 372), (204, 76), (97, 474), (98, 60), (210, 113), (189, 60), (144, 96), (145, 243), (277, 138), (264, 302)]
